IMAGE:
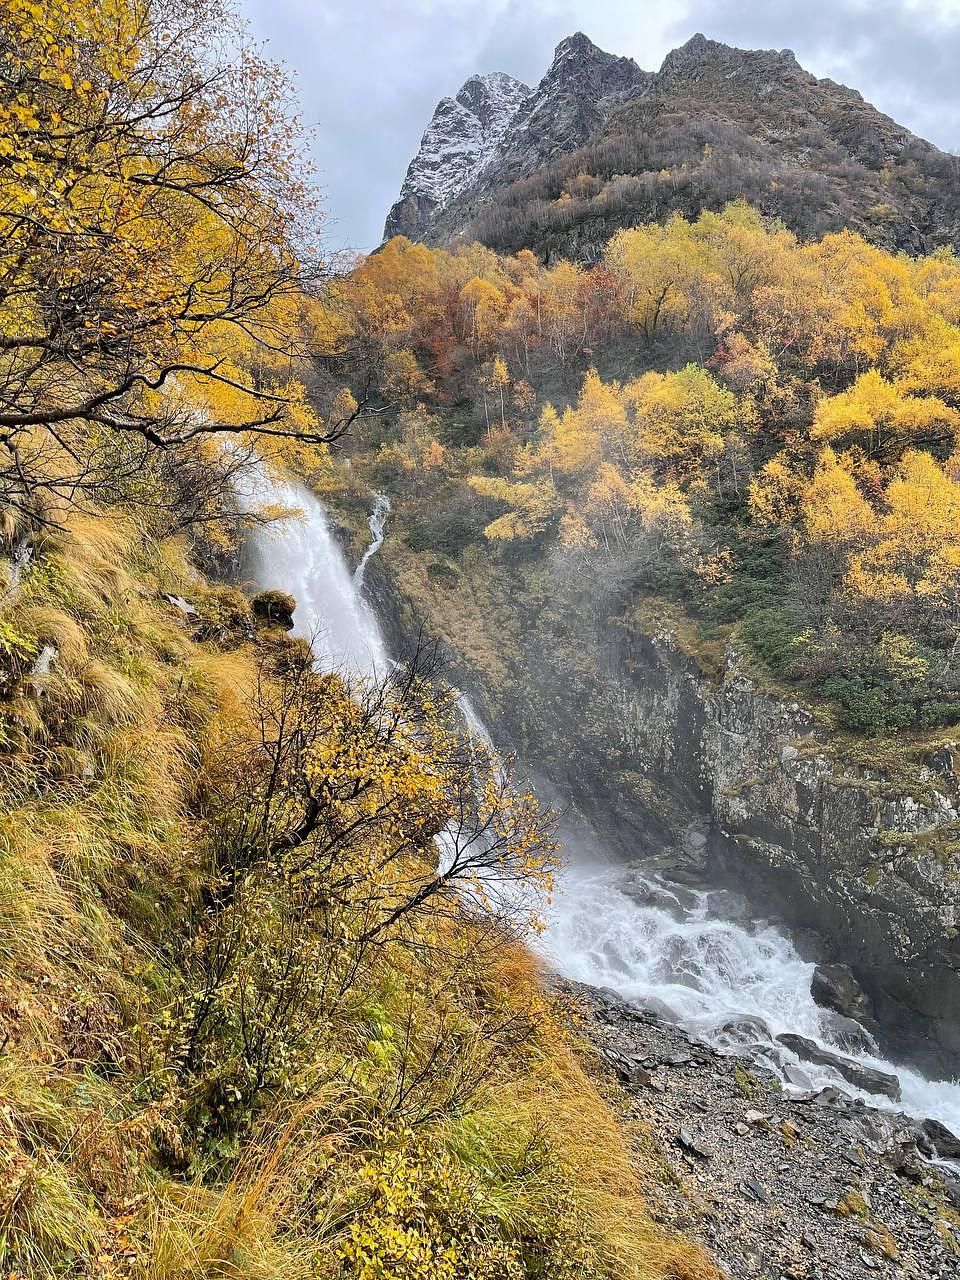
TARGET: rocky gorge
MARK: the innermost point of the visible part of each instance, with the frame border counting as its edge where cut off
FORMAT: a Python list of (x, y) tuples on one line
[(699, 769)]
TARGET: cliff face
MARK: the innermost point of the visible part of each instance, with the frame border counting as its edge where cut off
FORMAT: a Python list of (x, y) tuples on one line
[(869, 863), (463, 137)]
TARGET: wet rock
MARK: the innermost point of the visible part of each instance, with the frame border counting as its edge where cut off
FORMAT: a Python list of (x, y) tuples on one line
[(866, 1078), (724, 904), (746, 1028), (796, 1076), (847, 1034), (684, 876), (945, 1143), (834, 987), (785, 1183), (658, 1009)]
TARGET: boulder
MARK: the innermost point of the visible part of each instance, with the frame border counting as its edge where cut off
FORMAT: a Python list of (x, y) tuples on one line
[(274, 607), (796, 1076), (657, 1009), (861, 1077), (746, 1028), (835, 987), (846, 1033), (945, 1143)]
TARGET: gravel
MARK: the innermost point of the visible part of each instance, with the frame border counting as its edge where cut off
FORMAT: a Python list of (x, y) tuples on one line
[(813, 1187)]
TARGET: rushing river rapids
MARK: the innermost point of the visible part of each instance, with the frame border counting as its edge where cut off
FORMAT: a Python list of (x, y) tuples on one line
[(610, 926)]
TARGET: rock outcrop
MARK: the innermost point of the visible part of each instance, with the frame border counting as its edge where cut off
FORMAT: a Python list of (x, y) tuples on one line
[(869, 861), (464, 136), (497, 130)]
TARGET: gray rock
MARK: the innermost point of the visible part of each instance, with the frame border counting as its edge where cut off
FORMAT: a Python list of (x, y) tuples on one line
[(657, 1009), (945, 1143), (746, 1028), (834, 987), (689, 1143), (796, 1076), (184, 606), (847, 1034), (866, 1078)]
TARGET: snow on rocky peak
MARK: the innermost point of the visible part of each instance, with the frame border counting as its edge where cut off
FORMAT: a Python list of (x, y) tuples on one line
[(462, 138)]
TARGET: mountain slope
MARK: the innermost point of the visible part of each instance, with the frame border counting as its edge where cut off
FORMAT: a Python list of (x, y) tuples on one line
[(497, 129), (714, 124)]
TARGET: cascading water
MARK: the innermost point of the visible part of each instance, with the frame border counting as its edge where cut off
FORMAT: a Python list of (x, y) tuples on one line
[(304, 559), (646, 938), (378, 526), (641, 936)]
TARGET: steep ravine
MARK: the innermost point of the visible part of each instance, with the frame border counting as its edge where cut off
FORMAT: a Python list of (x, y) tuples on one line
[(761, 1162), (656, 749)]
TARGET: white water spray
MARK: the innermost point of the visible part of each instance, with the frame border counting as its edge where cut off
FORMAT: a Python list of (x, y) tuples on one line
[(610, 927), (646, 938), (304, 559)]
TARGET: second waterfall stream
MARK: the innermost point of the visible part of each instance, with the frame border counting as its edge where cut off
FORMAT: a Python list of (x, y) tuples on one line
[(611, 926)]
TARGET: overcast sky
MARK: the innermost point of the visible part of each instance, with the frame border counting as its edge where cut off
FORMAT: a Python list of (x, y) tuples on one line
[(370, 72)]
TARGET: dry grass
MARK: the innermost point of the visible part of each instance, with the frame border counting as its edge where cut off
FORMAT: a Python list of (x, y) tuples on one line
[(101, 831)]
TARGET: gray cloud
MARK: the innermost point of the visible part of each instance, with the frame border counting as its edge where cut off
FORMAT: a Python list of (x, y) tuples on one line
[(370, 72)]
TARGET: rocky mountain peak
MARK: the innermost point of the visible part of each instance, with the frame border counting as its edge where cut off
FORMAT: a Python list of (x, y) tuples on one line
[(500, 162), (463, 136), (700, 58)]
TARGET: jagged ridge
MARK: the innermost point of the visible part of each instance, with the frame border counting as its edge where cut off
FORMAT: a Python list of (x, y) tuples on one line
[(601, 144), (463, 136), (498, 129)]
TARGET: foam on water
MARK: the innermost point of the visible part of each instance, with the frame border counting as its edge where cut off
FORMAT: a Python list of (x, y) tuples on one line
[(708, 971)]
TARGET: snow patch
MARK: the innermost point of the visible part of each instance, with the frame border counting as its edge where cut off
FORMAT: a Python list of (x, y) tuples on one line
[(463, 137)]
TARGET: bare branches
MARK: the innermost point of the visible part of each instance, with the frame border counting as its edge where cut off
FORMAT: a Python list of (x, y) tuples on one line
[(156, 234), (364, 817)]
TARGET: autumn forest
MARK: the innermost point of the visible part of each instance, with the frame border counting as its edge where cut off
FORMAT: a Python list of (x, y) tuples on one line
[(271, 1003)]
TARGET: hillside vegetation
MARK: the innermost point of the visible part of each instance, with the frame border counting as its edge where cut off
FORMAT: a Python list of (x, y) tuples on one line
[(713, 125), (263, 1011), (761, 430)]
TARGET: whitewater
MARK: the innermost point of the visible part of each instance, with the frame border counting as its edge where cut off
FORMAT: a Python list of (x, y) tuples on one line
[(609, 925)]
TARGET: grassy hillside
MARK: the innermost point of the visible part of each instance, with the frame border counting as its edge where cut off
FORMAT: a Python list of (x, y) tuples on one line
[(200, 1076)]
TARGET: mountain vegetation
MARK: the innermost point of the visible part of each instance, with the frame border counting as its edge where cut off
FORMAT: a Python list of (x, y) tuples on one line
[(762, 430), (265, 1007)]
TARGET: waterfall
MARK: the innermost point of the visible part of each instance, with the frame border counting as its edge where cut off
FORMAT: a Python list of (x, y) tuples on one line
[(610, 926), (648, 939), (378, 525), (304, 559)]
